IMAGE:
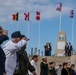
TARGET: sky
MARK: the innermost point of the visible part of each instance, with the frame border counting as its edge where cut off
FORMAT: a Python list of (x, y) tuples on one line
[(49, 20)]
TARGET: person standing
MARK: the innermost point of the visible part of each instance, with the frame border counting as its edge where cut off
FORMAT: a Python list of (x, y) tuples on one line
[(10, 49), (3, 37), (54, 68), (72, 71), (44, 66), (66, 49), (22, 58), (68, 65), (64, 70), (70, 49), (59, 70), (33, 63), (51, 70), (50, 48), (47, 49)]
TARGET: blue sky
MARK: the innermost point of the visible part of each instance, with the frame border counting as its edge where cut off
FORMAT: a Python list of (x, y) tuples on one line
[(49, 23)]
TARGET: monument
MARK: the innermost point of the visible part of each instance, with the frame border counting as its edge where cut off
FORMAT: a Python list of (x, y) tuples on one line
[(60, 45)]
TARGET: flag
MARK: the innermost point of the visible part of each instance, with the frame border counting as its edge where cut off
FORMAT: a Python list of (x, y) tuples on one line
[(15, 17), (26, 16), (71, 13), (37, 15), (59, 7)]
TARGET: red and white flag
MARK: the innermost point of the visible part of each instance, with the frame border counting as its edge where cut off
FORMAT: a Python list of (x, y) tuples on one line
[(26, 16), (37, 15), (59, 6), (71, 13)]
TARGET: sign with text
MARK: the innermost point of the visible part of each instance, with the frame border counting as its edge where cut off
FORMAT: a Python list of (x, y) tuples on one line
[(61, 45)]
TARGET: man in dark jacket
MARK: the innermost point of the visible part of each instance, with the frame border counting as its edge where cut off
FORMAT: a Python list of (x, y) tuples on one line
[(70, 49), (44, 67), (23, 62), (3, 37), (64, 70), (51, 70), (50, 48), (66, 49), (72, 70)]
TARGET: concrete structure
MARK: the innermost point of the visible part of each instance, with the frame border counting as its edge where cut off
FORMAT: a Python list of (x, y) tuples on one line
[(73, 59), (60, 46)]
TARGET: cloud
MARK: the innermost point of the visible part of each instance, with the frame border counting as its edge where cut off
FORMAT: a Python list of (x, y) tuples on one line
[(46, 7), (42, 2)]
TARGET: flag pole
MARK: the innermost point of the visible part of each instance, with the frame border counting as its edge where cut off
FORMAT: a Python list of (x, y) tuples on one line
[(60, 23), (39, 37), (28, 29), (72, 31), (59, 8), (28, 35), (17, 26)]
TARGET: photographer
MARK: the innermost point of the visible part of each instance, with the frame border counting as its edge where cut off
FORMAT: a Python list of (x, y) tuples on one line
[(3, 37), (48, 49)]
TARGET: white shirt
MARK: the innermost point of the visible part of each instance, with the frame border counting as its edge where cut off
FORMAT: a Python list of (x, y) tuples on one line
[(10, 50), (33, 63)]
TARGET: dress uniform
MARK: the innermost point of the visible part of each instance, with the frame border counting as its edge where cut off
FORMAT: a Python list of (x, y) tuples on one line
[(10, 49)]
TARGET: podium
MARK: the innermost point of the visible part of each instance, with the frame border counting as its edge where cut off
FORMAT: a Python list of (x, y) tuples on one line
[(60, 45)]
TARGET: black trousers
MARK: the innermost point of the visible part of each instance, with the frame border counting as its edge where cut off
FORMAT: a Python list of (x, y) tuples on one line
[(69, 53), (46, 53), (1, 71)]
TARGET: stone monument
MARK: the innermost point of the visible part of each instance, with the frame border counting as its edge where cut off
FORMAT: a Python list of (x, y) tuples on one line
[(60, 45)]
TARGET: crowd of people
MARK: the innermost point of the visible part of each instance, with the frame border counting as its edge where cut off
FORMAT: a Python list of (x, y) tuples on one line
[(51, 69), (14, 59), (12, 52)]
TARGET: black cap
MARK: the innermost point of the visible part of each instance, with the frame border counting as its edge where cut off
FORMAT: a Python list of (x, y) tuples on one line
[(16, 34), (23, 36)]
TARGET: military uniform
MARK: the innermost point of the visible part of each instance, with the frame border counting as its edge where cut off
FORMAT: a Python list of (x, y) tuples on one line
[(10, 49)]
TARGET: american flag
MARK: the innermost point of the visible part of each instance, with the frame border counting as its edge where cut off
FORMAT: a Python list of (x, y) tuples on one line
[(71, 13), (59, 7)]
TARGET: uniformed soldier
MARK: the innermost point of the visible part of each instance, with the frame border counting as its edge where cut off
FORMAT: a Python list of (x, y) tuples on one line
[(10, 49)]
